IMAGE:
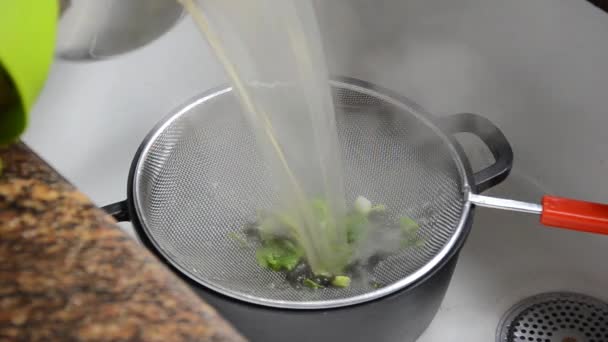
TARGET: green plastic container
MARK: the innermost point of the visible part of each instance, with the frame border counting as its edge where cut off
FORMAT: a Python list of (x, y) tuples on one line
[(27, 42)]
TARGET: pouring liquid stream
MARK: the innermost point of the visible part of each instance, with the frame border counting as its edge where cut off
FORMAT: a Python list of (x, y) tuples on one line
[(320, 246)]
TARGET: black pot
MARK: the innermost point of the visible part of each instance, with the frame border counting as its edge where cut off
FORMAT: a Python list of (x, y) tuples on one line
[(400, 316)]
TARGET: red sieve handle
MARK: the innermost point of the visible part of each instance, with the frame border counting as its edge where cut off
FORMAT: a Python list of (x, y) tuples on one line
[(575, 215)]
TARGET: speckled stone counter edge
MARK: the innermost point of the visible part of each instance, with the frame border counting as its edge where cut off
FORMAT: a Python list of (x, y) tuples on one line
[(68, 273)]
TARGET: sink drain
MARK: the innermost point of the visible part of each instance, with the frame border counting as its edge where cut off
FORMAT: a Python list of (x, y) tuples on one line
[(555, 317)]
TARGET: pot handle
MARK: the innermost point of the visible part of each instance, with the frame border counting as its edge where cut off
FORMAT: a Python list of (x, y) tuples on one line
[(493, 138), (118, 210)]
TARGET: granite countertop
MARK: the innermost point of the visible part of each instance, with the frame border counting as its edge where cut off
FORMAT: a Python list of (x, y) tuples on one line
[(67, 272)]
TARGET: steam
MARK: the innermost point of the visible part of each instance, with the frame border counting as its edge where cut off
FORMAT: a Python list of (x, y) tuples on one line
[(272, 53), (274, 57)]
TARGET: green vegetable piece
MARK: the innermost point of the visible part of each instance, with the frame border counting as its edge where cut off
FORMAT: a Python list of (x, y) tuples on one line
[(409, 226), (410, 229), (341, 281), (312, 284), (363, 205), (356, 226), (279, 254)]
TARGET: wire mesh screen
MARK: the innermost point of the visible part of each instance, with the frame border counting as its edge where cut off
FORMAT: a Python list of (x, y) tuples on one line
[(201, 179)]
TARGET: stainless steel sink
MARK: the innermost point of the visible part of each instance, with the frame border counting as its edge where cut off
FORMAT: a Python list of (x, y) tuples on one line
[(535, 68)]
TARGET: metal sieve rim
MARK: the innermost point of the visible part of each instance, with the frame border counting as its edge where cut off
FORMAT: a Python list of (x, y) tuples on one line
[(443, 256)]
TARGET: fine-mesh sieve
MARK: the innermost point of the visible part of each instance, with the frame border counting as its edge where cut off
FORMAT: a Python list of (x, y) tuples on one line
[(198, 179)]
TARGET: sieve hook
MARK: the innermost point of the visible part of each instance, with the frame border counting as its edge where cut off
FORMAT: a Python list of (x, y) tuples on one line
[(119, 211)]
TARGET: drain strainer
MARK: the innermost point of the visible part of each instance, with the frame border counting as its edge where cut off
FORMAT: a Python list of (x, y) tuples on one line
[(555, 317)]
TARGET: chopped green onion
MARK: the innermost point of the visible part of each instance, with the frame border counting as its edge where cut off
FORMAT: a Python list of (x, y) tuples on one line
[(363, 205), (278, 255), (341, 281), (356, 227), (409, 226), (410, 230), (311, 284)]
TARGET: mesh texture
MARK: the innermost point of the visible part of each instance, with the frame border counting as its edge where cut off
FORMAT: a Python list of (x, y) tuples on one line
[(201, 178)]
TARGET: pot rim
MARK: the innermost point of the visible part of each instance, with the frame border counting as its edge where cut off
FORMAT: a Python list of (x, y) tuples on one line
[(451, 247)]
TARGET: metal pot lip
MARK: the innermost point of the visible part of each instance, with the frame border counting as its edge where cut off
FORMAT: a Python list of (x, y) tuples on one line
[(436, 263)]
